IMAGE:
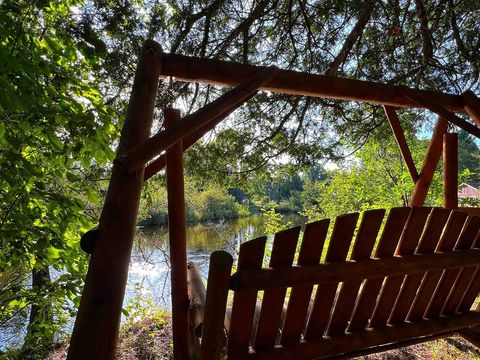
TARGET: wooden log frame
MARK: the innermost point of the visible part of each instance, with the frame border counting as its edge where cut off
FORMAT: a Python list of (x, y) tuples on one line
[(224, 73), (96, 326)]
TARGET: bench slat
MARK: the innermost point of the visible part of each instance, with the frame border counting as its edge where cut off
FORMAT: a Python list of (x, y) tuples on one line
[(244, 301), (283, 251), (310, 252), (213, 331), (458, 291), (363, 246), (471, 293), (406, 246), (445, 286), (386, 247), (465, 278), (428, 243), (337, 252), (427, 288)]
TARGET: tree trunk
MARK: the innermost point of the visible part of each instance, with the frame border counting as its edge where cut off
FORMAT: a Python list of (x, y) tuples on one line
[(38, 338)]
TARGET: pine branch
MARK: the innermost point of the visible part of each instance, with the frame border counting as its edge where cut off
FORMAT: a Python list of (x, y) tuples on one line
[(352, 38)]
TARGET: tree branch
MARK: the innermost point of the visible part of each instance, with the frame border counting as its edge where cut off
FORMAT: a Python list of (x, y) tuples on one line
[(425, 31), (243, 26), (352, 38), (190, 21)]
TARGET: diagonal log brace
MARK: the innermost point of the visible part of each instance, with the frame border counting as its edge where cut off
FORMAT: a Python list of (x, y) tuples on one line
[(137, 157)]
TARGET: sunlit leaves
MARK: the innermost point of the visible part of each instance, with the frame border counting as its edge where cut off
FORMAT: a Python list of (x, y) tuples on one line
[(55, 129)]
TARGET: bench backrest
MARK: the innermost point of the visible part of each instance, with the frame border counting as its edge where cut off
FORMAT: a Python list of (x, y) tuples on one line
[(355, 286)]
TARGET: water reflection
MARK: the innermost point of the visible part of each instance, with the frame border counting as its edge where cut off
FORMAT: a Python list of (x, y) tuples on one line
[(150, 266)]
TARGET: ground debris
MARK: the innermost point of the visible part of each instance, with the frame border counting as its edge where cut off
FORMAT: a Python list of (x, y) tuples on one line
[(151, 339)]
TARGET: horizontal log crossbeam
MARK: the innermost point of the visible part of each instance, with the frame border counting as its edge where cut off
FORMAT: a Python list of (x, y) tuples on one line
[(352, 270), (224, 73)]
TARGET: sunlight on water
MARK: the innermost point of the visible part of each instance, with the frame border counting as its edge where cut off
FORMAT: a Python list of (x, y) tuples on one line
[(150, 260)]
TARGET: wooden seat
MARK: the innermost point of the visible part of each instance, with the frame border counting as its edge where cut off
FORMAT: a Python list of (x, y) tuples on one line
[(341, 300)]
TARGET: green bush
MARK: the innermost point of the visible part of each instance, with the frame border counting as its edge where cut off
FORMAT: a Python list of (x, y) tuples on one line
[(211, 203), (216, 204)]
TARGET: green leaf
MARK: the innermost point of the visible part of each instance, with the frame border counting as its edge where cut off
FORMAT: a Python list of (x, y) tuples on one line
[(55, 141), (52, 253), (72, 177), (92, 196), (52, 43)]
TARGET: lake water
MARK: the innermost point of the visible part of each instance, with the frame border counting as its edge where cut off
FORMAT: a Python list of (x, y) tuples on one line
[(149, 267), (149, 274)]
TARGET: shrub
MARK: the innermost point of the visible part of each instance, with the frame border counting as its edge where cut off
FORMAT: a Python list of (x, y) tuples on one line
[(208, 204)]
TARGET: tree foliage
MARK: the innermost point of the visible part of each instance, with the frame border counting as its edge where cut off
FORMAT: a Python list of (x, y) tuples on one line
[(423, 43), (56, 131)]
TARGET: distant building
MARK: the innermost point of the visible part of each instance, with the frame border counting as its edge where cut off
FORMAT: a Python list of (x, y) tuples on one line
[(468, 191)]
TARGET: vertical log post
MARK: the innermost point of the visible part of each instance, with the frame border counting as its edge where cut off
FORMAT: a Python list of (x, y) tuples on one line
[(96, 327), (430, 163), (178, 241), (450, 171)]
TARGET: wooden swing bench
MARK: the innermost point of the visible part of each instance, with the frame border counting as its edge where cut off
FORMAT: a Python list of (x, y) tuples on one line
[(419, 285)]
